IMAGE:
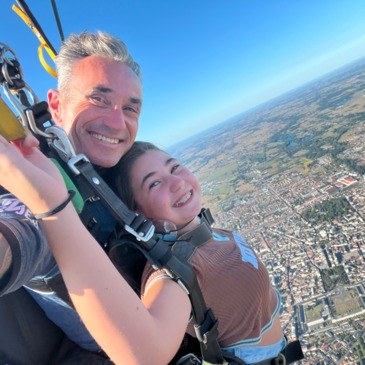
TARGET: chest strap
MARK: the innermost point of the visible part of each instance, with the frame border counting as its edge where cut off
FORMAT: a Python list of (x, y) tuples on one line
[(174, 261), (189, 242), (133, 223)]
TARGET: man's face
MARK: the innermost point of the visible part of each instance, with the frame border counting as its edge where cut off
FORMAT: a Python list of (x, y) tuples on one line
[(100, 110)]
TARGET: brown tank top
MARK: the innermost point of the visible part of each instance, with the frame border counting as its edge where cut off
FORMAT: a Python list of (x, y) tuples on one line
[(235, 285)]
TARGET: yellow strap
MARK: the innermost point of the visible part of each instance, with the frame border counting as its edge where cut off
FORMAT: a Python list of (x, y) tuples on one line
[(44, 44), (48, 68)]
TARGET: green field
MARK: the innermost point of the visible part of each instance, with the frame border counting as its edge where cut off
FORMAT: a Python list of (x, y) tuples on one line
[(347, 302), (313, 312)]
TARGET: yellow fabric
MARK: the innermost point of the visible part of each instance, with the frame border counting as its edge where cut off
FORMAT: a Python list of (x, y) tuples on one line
[(10, 126), (49, 69), (44, 44)]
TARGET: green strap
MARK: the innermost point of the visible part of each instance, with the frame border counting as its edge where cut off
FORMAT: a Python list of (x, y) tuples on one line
[(77, 200)]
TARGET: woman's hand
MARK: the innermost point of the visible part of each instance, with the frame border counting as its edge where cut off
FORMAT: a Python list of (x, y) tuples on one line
[(29, 149), (28, 174)]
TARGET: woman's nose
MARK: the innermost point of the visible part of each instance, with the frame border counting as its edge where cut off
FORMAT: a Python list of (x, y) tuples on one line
[(176, 183)]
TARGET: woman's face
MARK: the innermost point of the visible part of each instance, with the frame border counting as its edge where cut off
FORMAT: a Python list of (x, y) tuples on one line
[(165, 190)]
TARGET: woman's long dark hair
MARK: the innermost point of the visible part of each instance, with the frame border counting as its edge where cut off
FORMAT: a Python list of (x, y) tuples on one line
[(119, 176), (122, 250)]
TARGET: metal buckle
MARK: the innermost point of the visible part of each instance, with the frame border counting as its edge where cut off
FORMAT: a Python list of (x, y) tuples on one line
[(141, 236), (62, 144), (74, 160)]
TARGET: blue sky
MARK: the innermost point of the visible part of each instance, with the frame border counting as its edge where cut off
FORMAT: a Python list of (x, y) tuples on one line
[(203, 61)]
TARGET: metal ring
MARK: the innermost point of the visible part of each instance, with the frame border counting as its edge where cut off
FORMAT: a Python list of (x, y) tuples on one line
[(7, 77), (5, 49)]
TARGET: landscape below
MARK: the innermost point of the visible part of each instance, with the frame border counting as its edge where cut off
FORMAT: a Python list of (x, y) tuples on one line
[(289, 175)]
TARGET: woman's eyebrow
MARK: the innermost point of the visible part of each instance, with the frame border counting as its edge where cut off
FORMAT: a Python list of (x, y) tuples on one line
[(147, 177), (167, 162)]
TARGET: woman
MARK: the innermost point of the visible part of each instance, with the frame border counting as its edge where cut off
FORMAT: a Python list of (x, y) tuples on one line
[(148, 330), (156, 185)]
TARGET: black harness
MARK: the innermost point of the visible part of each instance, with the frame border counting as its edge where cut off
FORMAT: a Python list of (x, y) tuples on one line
[(114, 226)]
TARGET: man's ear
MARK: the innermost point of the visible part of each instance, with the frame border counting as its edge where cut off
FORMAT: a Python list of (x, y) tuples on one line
[(54, 103)]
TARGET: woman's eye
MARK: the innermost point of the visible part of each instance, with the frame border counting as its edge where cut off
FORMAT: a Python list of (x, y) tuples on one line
[(154, 184), (174, 168)]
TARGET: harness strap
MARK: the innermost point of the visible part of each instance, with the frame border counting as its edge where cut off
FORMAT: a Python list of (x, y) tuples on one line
[(206, 327), (162, 255), (134, 223)]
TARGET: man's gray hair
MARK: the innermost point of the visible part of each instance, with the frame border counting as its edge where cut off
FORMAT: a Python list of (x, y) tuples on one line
[(79, 46)]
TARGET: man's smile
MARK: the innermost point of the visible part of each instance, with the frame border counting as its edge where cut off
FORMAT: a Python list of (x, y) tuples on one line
[(102, 138)]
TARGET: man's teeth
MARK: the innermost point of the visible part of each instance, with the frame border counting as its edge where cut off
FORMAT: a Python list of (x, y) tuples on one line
[(106, 139), (184, 199)]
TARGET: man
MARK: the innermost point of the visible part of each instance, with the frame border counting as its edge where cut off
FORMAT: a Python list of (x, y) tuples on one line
[(98, 104)]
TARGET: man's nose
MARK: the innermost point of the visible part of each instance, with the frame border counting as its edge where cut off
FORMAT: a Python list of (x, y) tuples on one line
[(115, 118)]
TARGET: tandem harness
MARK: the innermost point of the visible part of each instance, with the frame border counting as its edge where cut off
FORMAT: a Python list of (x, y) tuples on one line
[(89, 184), (206, 331)]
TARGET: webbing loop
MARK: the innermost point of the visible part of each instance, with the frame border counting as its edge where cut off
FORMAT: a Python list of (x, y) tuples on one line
[(26, 15), (48, 68), (136, 224)]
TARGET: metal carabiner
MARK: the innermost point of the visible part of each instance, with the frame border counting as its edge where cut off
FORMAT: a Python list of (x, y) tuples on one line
[(60, 142), (3, 49), (11, 69)]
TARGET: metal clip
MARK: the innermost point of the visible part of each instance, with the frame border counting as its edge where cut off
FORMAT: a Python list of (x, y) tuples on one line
[(33, 125), (61, 142), (141, 236), (74, 160), (11, 70)]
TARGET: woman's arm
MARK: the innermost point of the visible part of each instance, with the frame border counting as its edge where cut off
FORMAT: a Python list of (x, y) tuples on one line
[(131, 332)]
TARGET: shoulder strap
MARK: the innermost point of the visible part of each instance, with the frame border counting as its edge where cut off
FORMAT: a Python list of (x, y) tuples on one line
[(175, 261)]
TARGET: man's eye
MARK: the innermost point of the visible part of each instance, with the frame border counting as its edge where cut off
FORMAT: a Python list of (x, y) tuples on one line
[(131, 109), (99, 101)]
